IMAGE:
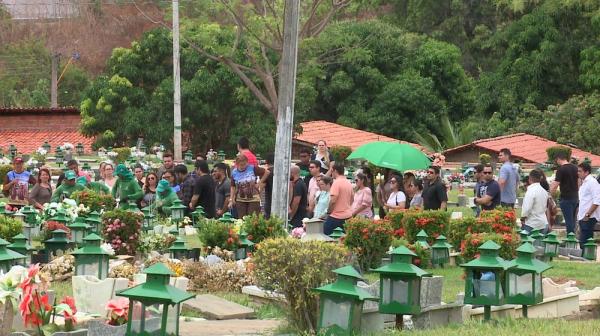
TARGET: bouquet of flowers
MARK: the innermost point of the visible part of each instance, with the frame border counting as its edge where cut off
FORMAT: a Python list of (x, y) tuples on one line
[(118, 311), (456, 177), (69, 206), (438, 160)]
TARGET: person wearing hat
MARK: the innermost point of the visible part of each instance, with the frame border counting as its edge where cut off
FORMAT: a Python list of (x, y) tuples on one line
[(16, 183), (126, 188), (100, 188), (165, 196), (67, 187), (74, 166)]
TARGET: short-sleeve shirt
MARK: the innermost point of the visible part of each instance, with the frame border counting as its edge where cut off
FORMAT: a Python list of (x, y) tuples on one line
[(299, 190), (434, 195), (205, 189), (252, 160), (509, 174), (492, 189), (19, 192), (245, 184), (363, 197), (222, 191), (342, 209), (304, 172), (321, 159), (566, 175)]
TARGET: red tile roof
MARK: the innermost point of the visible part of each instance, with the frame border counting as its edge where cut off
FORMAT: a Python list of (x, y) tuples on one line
[(334, 134), (38, 110), (525, 147), (28, 141)]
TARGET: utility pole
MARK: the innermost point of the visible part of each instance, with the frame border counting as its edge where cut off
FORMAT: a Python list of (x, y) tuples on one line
[(285, 110), (177, 86), (54, 81)]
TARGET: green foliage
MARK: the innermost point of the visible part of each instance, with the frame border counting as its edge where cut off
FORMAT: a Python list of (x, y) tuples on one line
[(556, 150), (340, 153), (121, 229), (485, 158), (423, 258), (94, 201), (434, 222), (369, 240), (214, 233), (260, 228), (294, 268), (500, 221), (508, 244), (9, 227), (123, 153), (4, 169)]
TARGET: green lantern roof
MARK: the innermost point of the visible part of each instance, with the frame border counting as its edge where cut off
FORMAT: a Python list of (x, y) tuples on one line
[(551, 238), (226, 218), (28, 210), (156, 288), (488, 258), (337, 233), (60, 217), (402, 264), (93, 217), (346, 285), (441, 242), (91, 245), (79, 223), (244, 241), (536, 234), (178, 245), (590, 242), (7, 254), (422, 234), (174, 230), (523, 233), (58, 236), (571, 238), (177, 205), (526, 260), (20, 242)]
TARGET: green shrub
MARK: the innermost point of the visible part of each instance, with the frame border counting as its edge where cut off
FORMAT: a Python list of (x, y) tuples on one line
[(369, 240), (9, 227), (498, 221), (260, 228), (294, 268), (485, 158), (423, 258), (214, 233), (508, 244), (434, 222), (4, 169), (121, 229), (340, 153), (94, 200), (395, 219), (123, 153), (554, 150)]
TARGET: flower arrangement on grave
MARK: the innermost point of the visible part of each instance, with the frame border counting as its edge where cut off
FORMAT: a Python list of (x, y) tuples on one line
[(260, 228), (215, 233), (121, 229), (434, 222), (59, 268), (125, 270), (10, 291), (39, 155), (508, 244), (368, 240), (68, 205), (35, 308), (174, 265), (50, 226), (90, 200), (9, 227), (298, 232), (456, 178), (118, 311), (155, 242)]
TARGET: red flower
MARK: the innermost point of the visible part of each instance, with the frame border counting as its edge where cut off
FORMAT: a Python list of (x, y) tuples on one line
[(69, 315), (365, 230)]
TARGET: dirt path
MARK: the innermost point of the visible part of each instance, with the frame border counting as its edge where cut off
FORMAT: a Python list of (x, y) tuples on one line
[(228, 327)]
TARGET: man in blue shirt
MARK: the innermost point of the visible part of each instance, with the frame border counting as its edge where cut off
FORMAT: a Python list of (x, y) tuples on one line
[(488, 195), (508, 179)]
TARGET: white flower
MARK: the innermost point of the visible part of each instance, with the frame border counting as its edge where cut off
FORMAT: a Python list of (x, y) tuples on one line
[(112, 154), (42, 151), (108, 248)]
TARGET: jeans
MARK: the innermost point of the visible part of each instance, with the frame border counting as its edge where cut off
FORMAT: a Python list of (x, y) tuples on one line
[(586, 230), (568, 208), (528, 228), (331, 223)]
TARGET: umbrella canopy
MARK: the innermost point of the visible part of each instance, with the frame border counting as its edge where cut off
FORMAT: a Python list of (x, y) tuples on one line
[(396, 156)]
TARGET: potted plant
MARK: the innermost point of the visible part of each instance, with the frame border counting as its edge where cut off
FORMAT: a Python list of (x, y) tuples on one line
[(116, 325)]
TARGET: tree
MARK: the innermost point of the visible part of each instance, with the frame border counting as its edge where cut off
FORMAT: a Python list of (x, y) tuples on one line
[(451, 136)]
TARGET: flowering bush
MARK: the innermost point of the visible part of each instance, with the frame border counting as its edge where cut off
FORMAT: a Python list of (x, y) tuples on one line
[(220, 277), (498, 221), (395, 219), (93, 201), (121, 229), (502, 220), (434, 222), (155, 242), (508, 244), (368, 239), (216, 233), (260, 228), (9, 227), (423, 258), (50, 226), (118, 310)]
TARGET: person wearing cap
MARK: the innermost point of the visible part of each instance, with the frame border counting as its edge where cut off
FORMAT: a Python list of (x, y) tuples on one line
[(67, 187), (16, 183), (98, 187), (126, 187), (165, 196), (74, 166)]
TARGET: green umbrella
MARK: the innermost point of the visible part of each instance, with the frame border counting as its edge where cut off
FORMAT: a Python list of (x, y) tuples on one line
[(396, 156)]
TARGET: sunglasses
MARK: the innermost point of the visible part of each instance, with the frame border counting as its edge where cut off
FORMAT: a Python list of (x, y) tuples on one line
[(151, 178), (430, 172), (487, 173)]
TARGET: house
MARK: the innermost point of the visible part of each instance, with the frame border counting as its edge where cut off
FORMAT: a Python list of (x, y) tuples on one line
[(525, 147), (336, 135), (29, 128)]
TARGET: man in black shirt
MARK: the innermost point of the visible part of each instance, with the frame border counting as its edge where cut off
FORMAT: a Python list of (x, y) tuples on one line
[(566, 179), (488, 192), (204, 190), (186, 183), (434, 196), (298, 201), (304, 164)]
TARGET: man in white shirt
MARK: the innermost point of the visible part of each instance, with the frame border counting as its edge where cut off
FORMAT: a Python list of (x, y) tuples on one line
[(589, 200), (533, 213)]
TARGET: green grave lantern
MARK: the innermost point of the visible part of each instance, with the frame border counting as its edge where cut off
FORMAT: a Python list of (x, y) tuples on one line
[(60, 217), (341, 304), (244, 247), (485, 275), (400, 285), (174, 231), (537, 237), (46, 146), (148, 223), (59, 157), (178, 249), (197, 216), (524, 277), (79, 149), (177, 211), (551, 245), (94, 221), (156, 297), (350, 173), (132, 206), (221, 156), (19, 216), (589, 249), (21, 245), (79, 230), (30, 214), (337, 233), (422, 239), (3, 210), (524, 235), (8, 257), (227, 218), (12, 150), (91, 259), (143, 148), (188, 156), (440, 251), (58, 244), (571, 241)]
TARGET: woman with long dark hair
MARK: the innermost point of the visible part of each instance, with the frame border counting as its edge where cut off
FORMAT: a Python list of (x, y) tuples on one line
[(397, 199), (41, 192)]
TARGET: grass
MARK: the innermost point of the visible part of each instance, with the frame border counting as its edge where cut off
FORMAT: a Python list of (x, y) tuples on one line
[(62, 288), (511, 327)]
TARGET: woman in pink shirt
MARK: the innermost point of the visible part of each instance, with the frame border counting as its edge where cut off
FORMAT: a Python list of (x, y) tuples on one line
[(362, 206)]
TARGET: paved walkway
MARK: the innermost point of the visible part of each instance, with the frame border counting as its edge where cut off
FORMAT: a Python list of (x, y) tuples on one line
[(228, 327)]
